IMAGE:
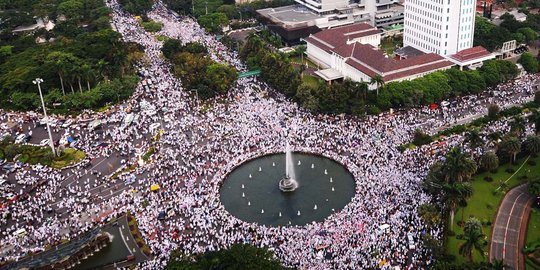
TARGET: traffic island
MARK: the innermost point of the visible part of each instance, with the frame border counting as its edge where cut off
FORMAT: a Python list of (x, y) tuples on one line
[(134, 229), (31, 154)]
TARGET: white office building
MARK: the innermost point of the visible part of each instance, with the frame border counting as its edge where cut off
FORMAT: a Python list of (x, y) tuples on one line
[(444, 27)]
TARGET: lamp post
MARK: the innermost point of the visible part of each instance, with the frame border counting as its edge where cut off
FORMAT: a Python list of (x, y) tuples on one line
[(38, 81)]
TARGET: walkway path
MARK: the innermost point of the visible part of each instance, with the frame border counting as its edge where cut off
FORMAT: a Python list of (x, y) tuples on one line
[(506, 240)]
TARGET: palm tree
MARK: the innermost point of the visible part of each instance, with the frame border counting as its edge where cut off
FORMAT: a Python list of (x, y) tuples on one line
[(102, 67), (455, 194), (87, 73), (474, 239), (378, 80), (511, 146), (57, 59), (517, 126), (457, 167), (474, 138), (429, 214), (494, 137), (497, 265), (489, 161), (532, 144), (535, 118)]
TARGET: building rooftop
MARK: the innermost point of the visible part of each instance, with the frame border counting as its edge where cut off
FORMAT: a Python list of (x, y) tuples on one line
[(290, 15), (334, 38), (370, 60), (408, 51), (471, 54)]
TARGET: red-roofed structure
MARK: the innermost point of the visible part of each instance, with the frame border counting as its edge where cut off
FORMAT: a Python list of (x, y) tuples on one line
[(471, 58), (352, 52)]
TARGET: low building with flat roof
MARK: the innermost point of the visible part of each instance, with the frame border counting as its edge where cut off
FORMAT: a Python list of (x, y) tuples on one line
[(295, 22)]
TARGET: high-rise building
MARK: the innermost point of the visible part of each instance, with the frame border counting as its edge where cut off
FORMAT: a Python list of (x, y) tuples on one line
[(439, 26)]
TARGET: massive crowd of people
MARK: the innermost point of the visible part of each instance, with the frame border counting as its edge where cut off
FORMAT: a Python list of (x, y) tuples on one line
[(197, 149)]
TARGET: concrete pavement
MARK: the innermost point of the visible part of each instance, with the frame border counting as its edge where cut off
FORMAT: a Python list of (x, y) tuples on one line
[(507, 229)]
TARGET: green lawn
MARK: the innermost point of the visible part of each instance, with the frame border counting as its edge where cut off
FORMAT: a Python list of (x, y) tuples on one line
[(311, 80), (298, 59), (42, 155), (533, 239), (533, 230), (484, 202), (69, 157)]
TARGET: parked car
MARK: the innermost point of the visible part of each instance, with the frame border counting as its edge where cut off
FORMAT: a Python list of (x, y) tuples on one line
[(8, 167), (67, 123), (44, 142), (21, 138)]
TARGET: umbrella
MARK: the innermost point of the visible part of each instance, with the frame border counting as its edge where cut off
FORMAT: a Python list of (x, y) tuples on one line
[(154, 187)]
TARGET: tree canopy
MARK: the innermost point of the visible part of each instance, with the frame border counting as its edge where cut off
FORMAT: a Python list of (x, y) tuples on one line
[(197, 71), (86, 52), (239, 256)]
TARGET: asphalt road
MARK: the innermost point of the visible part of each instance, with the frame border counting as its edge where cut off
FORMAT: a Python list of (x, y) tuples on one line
[(505, 239)]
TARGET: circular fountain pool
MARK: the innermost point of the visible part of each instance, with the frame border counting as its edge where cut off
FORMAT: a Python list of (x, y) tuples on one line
[(251, 191)]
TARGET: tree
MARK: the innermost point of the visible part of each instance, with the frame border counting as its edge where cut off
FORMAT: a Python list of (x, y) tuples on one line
[(458, 80), (220, 77), (529, 34), (378, 81), (510, 146), (87, 73), (474, 239), (535, 118), (534, 187), (421, 138), (137, 7), (529, 63), (5, 52), (474, 138), (532, 144), (489, 161), (455, 195), (239, 256), (180, 6), (434, 179), (517, 126), (10, 151), (458, 168), (171, 47), (72, 9), (213, 22), (429, 214), (493, 111)]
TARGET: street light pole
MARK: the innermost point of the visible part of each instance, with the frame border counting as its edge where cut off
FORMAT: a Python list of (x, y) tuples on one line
[(38, 81)]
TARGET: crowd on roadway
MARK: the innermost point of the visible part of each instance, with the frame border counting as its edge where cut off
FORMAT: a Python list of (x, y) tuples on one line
[(196, 150)]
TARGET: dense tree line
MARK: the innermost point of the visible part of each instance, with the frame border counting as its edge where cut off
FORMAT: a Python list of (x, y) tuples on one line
[(276, 69), (354, 98), (491, 36), (238, 256), (197, 71), (137, 7), (85, 58)]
